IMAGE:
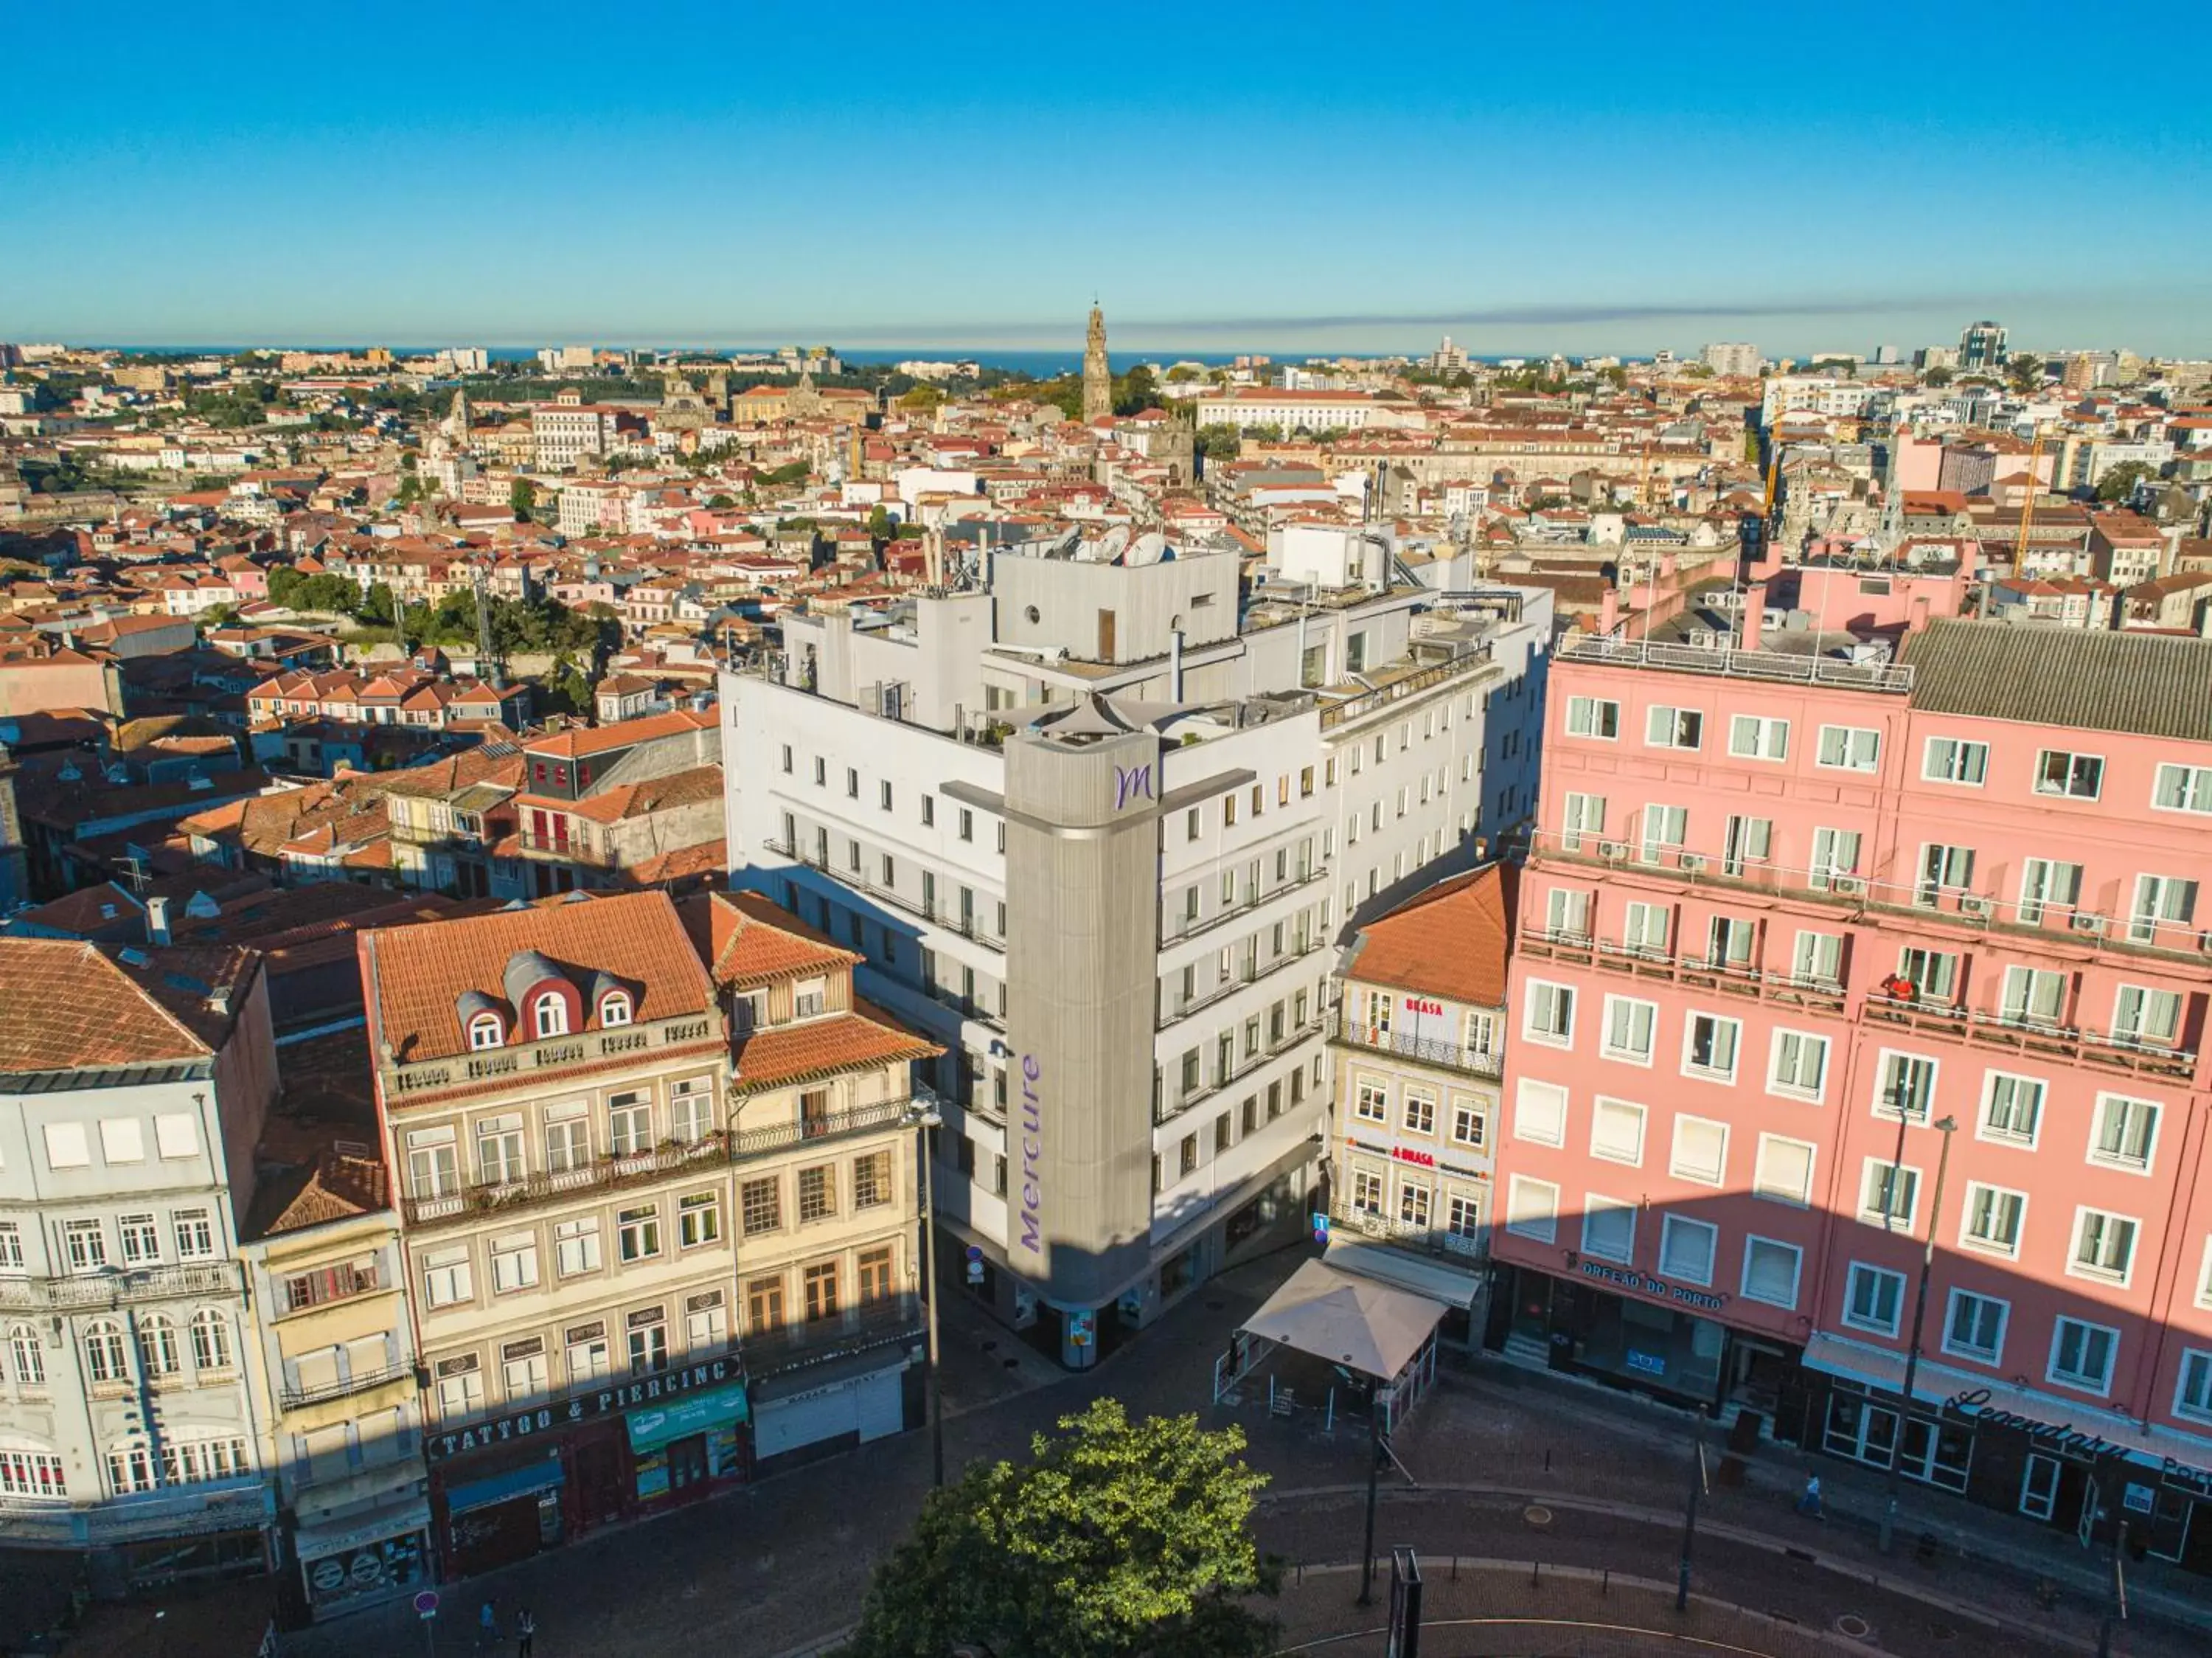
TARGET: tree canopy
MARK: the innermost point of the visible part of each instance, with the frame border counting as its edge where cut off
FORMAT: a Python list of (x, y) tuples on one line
[(2119, 482), (1118, 1540)]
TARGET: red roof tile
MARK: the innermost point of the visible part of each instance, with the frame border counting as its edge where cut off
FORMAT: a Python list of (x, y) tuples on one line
[(1449, 942)]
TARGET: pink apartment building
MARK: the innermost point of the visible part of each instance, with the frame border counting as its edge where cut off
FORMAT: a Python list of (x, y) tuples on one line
[(1788, 913)]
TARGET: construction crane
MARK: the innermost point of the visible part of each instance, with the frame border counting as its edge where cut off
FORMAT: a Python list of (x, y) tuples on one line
[(2027, 501)]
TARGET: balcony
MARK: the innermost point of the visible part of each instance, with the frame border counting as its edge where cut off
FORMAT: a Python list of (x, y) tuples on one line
[(1423, 1050), (2021, 1034), (1783, 667), (968, 926), (555, 1053), (293, 1398), (1469, 1249), (613, 1173), (1182, 927), (569, 848), (1256, 972), (98, 1292), (1697, 973), (1163, 1112), (884, 1323)]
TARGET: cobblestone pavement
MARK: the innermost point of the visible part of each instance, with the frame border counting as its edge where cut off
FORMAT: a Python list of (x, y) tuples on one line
[(778, 1567)]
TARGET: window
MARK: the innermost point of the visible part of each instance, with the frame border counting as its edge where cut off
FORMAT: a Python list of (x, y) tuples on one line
[(1370, 1100), (576, 1246), (1889, 1194), (1835, 853), (1756, 737), (629, 1124), (1665, 829), (2126, 1132), (2075, 776), (1928, 976), (2143, 1015), (2033, 996), (1551, 1013), (1593, 717), (1366, 1192), (2183, 788), (499, 1150), (1710, 1047), (524, 1371), (874, 1274), (1769, 1270), (105, 1360), (211, 1341), (1849, 749), (2081, 1354), (1463, 1216), (1566, 912), (130, 1468), (637, 1233), (1617, 1131), (549, 1014), (86, 1243), (1540, 1112), (2192, 1393), (2164, 905), (158, 1354), (1800, 1065), (819, 1284), (1783, 1170), (1673, 728), (32, 1473), (1818, 958), (513, 1262), (1872, 1298), (1993, 1219), (484, 1032), (1974, 1326), (1468, 1123), (818, 1192), (1700, 1152), (1906, 1087), (967, 824), (691, 1109), (27, 1354), (67, 1146), (787, 759), (195, 1235), (2104, 1246), (1420, 1111), (1628, 1027), (1643, 929), (1608, 1228), (446, 1281), (11, 1246), (1581, 816), (648, 1341), (1944, 869), (1532, 1210), (2045, 885), (1953, 759), (568, 1138), (871, 1179), (121, 1140), (1413, 1204), (1686, 1248), (460, 1387), (698, 1220), (2011, 1107), (615, 1009), (809, 998)]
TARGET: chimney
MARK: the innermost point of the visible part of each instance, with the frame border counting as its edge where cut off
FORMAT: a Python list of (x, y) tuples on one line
[(1754, 615), (157, 920), (1609, 613), (1919, 613)]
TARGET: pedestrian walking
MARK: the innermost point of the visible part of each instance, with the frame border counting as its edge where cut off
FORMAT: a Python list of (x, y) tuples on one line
[(1809, 1504), (526, 1632), (486, 1629)]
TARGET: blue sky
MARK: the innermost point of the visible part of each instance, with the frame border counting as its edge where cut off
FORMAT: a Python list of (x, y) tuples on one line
[(1578, 177)]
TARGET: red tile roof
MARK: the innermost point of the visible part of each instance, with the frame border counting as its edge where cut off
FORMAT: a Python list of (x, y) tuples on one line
[(747, 942), (413, 977), (67, 1006), (822, 1047), (1449, 942)]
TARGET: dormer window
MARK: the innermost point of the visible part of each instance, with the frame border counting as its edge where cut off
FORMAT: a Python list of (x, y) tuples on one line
[(615, 1008), (484, 1032), (550, 1014), (809, 998)]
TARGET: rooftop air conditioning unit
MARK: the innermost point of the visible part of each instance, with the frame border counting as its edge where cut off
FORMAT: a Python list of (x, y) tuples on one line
[(2082, 921), (1850, 885)]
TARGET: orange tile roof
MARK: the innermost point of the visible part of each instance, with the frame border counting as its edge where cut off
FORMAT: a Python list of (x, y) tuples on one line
[(1449, 942), (413, 977), (66, 1005), (821, 1047), (575, 742), (747, 941)]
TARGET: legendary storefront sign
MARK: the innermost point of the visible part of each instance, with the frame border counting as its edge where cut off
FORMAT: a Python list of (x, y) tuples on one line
[(520, 1424), (1659, 1287), (2186, 1477), (2060, 1439)]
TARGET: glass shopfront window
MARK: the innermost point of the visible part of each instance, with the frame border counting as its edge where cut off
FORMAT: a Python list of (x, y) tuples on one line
[(1939, 1454)]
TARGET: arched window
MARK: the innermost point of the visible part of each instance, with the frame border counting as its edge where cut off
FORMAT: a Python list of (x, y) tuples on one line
[(211, 1341), (615, 1008), (130, 1468), (103, 1358), (484, 1032), (28, 1357), (157, 1346), (550, 1014)]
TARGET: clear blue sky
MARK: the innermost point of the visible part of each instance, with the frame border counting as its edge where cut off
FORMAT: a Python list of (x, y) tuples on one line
[(1582, 177)]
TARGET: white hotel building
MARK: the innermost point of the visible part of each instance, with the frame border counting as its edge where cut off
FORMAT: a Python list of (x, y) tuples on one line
[(1097, 830)]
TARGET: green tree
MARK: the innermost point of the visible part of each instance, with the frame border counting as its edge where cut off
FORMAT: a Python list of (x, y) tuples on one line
[(567, 687), (1135, 392), (1219, 442), (522, 495), (2026, 372), (1938, 376), (881, 525), (1118, 1540), (2119, 483), (720, 502)]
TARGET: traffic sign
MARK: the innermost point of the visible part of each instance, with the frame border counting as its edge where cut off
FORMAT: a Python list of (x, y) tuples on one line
[(427, 1603), (1320, 1228)]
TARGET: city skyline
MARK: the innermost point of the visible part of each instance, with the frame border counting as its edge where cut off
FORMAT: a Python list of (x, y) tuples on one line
[(1797, 185)]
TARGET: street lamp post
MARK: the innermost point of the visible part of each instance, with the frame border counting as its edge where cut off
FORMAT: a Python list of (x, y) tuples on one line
[(925, 1118), (1946, 1126), (1374, 1474)]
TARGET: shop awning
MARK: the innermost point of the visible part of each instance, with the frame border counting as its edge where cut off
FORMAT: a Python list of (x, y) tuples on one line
[(504, 1486), (1939, 1384), (314, 1542), (1344, 1319), (691, 1413), (1439, 1281)]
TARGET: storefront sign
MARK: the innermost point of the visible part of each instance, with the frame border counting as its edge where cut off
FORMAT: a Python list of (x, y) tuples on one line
[(694, 1414), (1032, 1151), (1422, 1004), (522, 1423), (2061, 1440), (1419, 1159), (1651, 1364), (1658, 1287), (2186, 1477)]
